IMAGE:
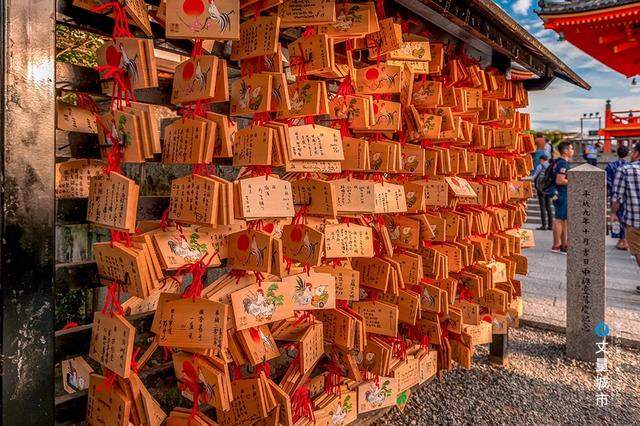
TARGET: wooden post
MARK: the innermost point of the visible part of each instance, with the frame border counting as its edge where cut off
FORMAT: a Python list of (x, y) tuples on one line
[(28, 211), (499, 350)]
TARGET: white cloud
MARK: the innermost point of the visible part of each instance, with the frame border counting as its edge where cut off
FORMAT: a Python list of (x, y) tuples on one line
[(521, 7)]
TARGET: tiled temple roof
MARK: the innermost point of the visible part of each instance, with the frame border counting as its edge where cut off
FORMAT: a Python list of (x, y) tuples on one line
[(576, 6)]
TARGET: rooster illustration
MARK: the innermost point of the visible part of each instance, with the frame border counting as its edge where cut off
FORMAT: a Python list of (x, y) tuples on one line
[(269, 347), (258, 306), (320, 296), (182, 249), (199, 77), (297, 101), (394, 230), (207, 390), (343, 408), (427, 299), (303, 294), (343, 22), (308, 246), (411, 163), (376, 160), (377, 395), (128, 65), (411, 198), (223, 19), (406, 235), (249, 98), (255, 251), (496, 324)]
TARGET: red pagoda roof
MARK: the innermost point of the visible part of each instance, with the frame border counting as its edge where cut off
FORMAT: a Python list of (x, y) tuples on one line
[(573, 6), (608, 30)]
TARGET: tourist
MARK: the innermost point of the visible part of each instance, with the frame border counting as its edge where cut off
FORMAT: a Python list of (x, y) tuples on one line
[(560, 168), (591, 154), (611, 170), (542, 148), (626, 191), (544, 199)]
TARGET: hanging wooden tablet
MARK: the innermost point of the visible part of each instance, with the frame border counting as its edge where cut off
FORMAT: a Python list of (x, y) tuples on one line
[(261, 197), (307, 98), (125, 129), (249, 250), (73, 177), (297, 13), (123, 265), (312, 291), (258, 37), (351, 240), (129, 55), (377, 394), (261, 304), (74, 119), (314, 142), (309, 55), (112, 343), (253, 146), (184, 142), (195, 80), (192, 323), (251, 94), (113, 202), (216, 20), (107, 406), (194, 199), (378, 79), (76, 374), (411, 51), (352, 20)]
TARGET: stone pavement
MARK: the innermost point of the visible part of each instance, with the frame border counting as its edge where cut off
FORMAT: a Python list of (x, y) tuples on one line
[(544, 289)]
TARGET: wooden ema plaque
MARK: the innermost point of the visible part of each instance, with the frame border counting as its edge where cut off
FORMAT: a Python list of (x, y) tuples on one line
[(219, 20), (112, 343), (107, 406), (195, 80), (261, 304), (73, 177), (258, 37), (261, 197), (192, 323), (194, 199), (113, 202), (296, 13)]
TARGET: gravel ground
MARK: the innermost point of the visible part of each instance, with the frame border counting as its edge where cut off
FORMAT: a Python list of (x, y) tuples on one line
[(541, 386)]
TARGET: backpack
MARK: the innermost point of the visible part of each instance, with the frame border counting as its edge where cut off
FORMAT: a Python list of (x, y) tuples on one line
[(546, 180)]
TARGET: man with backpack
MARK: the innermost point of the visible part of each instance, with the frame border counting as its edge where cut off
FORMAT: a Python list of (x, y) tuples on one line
[(544, 199), (558, 175)]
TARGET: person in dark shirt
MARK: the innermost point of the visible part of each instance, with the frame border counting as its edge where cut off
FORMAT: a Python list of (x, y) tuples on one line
[(560, 168)]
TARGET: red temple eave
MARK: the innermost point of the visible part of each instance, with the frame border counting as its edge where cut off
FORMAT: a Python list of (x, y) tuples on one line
[(611, 36)]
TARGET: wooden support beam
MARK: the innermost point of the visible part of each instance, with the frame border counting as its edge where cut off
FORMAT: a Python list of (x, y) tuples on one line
[(27, 139)]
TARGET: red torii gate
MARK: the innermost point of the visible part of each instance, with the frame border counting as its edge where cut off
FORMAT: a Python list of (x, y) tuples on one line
[(619, 125)]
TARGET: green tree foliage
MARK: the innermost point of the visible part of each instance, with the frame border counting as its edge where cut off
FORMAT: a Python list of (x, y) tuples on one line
[(76, 46)]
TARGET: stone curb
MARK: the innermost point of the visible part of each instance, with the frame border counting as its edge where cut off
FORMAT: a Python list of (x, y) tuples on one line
[(622, 341)]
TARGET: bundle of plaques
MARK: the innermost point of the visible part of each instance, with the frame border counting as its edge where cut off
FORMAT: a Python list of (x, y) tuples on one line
[(370, 239)]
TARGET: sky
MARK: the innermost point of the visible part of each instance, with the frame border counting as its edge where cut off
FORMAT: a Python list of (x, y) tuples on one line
[(561, 105)]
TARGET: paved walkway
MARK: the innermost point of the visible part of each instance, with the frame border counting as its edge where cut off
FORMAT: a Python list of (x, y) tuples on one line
[(545, 288)]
